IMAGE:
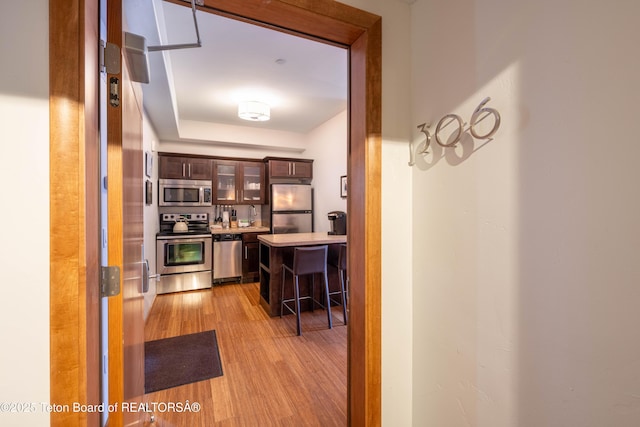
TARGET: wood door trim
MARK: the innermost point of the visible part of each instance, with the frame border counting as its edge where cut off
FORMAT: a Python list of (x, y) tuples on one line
[(330, 21), (73, 232), (364, 230)]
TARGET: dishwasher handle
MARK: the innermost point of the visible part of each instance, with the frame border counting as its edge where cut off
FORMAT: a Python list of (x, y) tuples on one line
[(226, 237)]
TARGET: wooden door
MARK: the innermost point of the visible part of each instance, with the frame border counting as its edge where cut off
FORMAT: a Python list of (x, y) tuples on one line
[(279, 169), (302, 169), (199, 168), (171, 167), (125, 232)]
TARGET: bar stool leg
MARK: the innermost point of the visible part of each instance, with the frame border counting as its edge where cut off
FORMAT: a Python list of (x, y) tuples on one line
[(284, 272), (313, 291), (344, 295), (327, 298), (297, 297)]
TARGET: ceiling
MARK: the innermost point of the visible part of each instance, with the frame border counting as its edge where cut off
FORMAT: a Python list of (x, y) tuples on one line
[(304, 81)]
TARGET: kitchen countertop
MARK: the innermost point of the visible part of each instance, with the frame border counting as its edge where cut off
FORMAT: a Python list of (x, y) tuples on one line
[(240, 230), (301, 239)]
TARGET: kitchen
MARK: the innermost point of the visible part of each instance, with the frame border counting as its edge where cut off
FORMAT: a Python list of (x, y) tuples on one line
[(236, 148), (240, 313), (231, 208), (230, 141)]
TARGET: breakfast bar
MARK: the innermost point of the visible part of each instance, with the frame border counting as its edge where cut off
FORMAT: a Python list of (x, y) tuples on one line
[(276, 248)]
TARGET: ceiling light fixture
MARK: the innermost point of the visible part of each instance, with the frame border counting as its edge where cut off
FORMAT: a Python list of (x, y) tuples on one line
[(254, 111)]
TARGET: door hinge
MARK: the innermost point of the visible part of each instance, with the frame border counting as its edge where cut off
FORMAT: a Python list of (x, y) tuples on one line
[(109, 281), (109, 58)]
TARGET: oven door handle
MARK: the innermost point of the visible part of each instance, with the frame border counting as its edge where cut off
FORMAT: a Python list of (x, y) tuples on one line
[(185, 238)]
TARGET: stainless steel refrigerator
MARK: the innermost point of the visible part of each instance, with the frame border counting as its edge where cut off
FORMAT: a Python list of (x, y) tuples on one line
[(291, 208)]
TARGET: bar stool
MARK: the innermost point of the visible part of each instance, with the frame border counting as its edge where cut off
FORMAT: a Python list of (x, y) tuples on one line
[(306, 260), (341, 265)]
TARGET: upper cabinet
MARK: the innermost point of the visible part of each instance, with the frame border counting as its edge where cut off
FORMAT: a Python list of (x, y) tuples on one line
[(225, 182), (299, 170), (253, 182), (178, 167), (238, 182)]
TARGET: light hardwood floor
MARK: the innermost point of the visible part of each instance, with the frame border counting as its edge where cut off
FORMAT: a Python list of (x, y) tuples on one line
[(271, 377)]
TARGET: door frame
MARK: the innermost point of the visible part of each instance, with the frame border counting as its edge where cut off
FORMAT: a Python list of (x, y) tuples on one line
[(73, 35), (74, 209)]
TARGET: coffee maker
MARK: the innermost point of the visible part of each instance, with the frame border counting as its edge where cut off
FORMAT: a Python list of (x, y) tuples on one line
[(338, 221)]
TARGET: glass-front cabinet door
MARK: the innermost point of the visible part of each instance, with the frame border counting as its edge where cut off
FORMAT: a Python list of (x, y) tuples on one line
[(238, 182), (253, 190), (225, 180)]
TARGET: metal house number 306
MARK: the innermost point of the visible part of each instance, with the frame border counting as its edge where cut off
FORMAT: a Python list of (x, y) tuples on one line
[(480, 113)]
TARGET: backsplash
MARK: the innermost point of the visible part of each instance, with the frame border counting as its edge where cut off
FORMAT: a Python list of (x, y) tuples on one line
[(243, 211)]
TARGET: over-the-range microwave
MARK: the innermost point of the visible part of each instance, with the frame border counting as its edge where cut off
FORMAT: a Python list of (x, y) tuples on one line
[(184, 192)]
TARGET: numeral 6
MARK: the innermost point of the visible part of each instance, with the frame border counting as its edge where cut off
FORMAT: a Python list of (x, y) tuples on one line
[(476, 117)]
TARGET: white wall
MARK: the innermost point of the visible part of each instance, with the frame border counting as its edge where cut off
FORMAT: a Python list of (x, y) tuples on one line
[(328, 148), (24, 252), (525, 254), (207, 149), (241, 136)]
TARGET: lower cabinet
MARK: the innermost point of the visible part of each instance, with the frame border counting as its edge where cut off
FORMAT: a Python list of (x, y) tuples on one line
[(250, 257)]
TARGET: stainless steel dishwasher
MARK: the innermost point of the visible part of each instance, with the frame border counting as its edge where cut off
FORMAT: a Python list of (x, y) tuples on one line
[(227, 257)]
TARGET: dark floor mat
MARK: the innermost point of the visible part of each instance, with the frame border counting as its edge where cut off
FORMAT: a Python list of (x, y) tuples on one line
[(171, 362)]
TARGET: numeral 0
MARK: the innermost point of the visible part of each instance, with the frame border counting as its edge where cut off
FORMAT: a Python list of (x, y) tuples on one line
[(480, 113)]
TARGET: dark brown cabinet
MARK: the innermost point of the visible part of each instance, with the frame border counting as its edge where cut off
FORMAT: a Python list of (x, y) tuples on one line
[(252, 190), (297, 169), (225, 182), (178, 167), (238, 182), (250, 257)]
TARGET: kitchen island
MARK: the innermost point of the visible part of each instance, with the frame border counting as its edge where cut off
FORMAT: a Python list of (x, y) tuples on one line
[(275, 249)]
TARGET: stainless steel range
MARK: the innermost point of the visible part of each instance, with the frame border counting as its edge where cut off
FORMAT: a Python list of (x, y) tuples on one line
[(184, 258)]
